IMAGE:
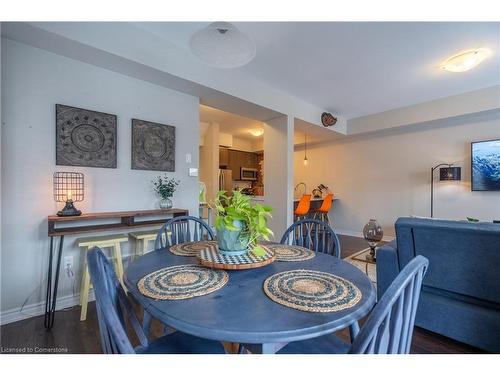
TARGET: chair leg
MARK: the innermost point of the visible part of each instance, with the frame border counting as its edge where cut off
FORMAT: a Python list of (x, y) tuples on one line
[(84, 293), (136, 248), (119, 263), (144, 246), (146, 324)]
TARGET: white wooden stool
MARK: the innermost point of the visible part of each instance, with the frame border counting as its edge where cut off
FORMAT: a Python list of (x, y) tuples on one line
[(141, 248), (112, 242), (142, 239)]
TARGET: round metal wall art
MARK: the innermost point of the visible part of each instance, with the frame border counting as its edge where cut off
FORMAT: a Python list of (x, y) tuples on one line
[(182, 282), (153, 146), (312, 291), (85, 138)]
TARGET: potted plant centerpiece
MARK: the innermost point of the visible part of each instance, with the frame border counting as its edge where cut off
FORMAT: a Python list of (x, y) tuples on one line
[(165, 188), (240, 224)]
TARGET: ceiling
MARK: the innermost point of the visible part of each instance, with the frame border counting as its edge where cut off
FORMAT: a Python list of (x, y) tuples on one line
[(230, 123), (359, 68), (240, 126)]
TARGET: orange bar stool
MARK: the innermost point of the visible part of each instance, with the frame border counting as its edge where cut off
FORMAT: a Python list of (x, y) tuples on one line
[(322, 212), (303, 207)]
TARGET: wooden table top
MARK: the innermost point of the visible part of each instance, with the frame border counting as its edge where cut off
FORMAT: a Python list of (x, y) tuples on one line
[(126, 220), (116, 214)]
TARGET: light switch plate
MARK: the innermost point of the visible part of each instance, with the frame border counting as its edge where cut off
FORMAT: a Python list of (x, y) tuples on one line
[(188, 158), (193, 172)]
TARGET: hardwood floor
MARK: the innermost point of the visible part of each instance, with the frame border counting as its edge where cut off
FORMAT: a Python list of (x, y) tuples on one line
[(69, 335)]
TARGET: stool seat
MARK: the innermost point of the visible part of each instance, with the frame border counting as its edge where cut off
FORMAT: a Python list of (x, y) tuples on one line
[(101, 241), (303, 207), (144, 235), (322, 212)]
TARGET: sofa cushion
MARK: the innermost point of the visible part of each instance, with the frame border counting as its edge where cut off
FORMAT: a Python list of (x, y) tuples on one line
[(464, 258)]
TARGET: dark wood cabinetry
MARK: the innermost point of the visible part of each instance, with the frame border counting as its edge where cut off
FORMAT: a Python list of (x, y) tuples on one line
[(223, 156), (235, 160)]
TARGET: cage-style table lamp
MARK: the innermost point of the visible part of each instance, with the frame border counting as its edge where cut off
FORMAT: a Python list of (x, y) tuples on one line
[(68, 187)]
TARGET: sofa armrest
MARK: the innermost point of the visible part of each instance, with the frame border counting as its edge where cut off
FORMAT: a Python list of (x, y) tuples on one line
[(387, 266)]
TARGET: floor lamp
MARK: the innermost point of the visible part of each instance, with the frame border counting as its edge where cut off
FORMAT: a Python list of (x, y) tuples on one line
[(448, 173)]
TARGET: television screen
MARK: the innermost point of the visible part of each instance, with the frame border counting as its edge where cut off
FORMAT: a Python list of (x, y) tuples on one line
[(486, 165)]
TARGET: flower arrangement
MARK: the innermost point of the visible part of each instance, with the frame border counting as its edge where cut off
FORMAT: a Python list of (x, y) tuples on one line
[(164, 186)]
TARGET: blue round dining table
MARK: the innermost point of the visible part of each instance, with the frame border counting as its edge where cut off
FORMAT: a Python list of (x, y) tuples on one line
[(241, 312)]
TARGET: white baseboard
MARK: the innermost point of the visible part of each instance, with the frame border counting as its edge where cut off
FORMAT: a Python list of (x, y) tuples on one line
[(37, 309), (347, 232)]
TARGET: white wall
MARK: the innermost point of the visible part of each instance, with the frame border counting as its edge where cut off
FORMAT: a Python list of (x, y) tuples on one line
[(278, 172), (209, 160), (33, 81), (385, 176)]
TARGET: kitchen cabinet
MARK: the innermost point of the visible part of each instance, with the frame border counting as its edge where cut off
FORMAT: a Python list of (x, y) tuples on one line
[(223, 156), (238, 159)]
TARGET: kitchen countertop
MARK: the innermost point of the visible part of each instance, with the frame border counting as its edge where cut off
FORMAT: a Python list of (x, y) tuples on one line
[(262, 198), (312, 199)]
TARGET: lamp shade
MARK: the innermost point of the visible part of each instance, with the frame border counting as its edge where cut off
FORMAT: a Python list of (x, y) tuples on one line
[(222, 45), (68, 186), (450, 174)]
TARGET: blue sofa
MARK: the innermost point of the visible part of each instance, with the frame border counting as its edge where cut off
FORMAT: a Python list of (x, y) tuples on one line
[(461, 292)]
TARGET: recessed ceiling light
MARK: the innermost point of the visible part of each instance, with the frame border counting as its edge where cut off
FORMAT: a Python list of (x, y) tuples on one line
[(463, 61), (256, 132), (222, 45)]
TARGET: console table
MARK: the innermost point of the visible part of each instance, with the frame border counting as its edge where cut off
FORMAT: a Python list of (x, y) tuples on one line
[(76, 224)]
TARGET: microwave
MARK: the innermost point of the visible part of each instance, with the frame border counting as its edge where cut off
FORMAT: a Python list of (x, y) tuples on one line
[(248, 174)]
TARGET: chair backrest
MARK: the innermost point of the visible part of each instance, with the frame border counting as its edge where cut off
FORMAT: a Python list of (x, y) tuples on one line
[(313, 234), (327, 203), (112, 306), (304, 205), (389, 328), (182, 229)]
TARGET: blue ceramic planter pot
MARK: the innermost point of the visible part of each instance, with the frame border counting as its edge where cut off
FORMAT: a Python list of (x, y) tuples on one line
[(229, 241)]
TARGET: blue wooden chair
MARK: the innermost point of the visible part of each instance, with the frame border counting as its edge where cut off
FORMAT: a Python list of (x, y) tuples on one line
[(313, 234), (388, 329), (114, 308), (182, 229)]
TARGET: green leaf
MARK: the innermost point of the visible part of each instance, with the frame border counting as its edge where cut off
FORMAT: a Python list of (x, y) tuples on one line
[(258, 251)]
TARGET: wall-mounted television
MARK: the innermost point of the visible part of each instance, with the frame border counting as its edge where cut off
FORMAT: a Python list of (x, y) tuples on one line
[(485, 160)]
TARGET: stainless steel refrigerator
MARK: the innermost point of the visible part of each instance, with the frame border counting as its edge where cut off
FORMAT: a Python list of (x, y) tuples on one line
[(226, 180)]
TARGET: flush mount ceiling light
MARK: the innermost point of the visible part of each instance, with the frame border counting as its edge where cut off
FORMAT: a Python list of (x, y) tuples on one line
[(222, 45), (466, 60), (256, 132)]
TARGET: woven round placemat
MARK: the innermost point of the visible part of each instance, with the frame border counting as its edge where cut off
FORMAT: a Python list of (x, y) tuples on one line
[(312, 291), (191, 249), (291, 253), (182, 282)]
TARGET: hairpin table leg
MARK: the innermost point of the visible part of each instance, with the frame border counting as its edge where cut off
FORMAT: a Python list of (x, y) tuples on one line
[(51, 296)]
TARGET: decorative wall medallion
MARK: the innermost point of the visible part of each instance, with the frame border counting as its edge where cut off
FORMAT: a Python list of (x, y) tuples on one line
[(153, 146), (327, 119), (85, 138)]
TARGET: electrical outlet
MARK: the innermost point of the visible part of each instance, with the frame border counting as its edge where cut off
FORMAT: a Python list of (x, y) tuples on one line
[(68, 265)]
